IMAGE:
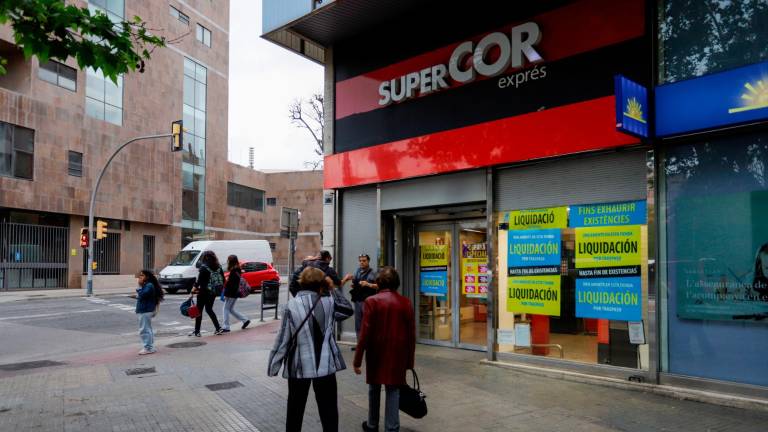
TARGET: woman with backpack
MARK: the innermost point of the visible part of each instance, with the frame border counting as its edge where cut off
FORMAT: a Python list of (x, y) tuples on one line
[(232, 293), (210, 282), (149, 294), (306, 349)]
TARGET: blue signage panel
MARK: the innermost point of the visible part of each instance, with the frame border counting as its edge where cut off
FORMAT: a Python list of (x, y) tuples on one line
[(618, 299), (608, 214), (721, 99), (533, 252), (631, 106), (433, 283)]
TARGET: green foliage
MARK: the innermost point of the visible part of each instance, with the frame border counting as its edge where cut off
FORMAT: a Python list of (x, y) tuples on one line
[(50, 29)]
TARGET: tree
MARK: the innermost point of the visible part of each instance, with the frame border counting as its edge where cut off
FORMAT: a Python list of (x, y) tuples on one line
[(50, 29), (308, 114)]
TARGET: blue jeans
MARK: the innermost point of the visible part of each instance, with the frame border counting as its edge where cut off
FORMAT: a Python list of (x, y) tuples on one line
[(145, 330), (229, 308), (391, 407)]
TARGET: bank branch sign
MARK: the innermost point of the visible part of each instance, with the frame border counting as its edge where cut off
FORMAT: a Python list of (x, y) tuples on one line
[(722, 99), (631, 106)]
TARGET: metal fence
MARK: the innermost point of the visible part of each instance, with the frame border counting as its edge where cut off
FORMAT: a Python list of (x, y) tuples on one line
[(106, 255), (149, 253), (33, 256)]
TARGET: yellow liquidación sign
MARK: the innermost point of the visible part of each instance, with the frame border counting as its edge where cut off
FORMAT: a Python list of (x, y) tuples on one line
[(608, 246), (552, 217), (433, 256), (538, 295)]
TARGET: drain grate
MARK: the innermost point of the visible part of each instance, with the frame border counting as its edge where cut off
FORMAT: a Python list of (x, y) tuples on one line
[(140, 371), (224, 385), (186, 344), (29, 365)]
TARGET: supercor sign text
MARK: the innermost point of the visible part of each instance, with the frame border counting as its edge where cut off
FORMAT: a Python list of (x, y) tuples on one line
[(493, 55)]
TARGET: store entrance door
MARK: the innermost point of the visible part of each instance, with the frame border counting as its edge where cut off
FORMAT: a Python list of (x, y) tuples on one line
[(452, 280)]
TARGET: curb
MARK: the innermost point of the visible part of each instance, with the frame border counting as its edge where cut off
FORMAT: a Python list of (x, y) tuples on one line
[(680, 393)]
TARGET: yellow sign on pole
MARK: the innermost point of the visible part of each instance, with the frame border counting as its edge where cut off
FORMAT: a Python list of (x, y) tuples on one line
[(94, 265)]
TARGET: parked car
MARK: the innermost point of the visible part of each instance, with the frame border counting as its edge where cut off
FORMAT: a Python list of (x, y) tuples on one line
[(256, 272)]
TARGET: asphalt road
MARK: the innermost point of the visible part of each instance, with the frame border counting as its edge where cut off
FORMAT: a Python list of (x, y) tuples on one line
[(47, 328)]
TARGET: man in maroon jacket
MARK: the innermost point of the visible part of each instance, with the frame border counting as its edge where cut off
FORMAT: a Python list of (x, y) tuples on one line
[(388, 339)]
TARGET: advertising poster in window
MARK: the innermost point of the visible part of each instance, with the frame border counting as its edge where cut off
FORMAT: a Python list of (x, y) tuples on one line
[(533, 270), (474, 270), (608, 284), (551, 217), (433, 270)]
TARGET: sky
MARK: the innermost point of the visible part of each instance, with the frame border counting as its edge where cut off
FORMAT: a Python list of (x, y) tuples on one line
[(263, 81)]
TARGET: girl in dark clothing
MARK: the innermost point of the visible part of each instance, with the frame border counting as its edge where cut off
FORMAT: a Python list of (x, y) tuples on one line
[(148, 296), (232, 293), (209, 277)]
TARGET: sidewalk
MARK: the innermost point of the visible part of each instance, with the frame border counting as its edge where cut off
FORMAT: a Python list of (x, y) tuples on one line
[(222, 386)]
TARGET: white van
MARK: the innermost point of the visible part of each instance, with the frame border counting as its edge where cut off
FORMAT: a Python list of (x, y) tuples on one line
[(181, 273)]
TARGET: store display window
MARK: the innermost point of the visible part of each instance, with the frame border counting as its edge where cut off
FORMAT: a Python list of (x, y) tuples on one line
[(573, 283)]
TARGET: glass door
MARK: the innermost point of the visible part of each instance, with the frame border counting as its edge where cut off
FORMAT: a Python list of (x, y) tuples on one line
[(453, 282)]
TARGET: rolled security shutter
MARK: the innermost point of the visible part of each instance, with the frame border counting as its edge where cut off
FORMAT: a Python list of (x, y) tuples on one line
[(359, 228), (610, 177)]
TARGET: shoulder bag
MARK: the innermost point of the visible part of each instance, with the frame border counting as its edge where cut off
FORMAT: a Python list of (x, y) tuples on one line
[(412, 399)]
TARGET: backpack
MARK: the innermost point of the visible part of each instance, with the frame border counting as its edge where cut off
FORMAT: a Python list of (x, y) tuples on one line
[(244, 288), (216, 282)]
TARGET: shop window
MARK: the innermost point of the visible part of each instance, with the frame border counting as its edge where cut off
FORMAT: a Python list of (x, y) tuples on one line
[(573, 282), (706, 36), (715, 272), (17, 150)]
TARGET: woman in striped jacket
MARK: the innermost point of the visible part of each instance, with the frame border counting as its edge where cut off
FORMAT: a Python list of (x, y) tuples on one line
[(307, 348)]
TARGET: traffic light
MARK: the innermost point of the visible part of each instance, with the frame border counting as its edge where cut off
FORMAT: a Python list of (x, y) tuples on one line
[(84, 238), (177, 140), (101, 229)]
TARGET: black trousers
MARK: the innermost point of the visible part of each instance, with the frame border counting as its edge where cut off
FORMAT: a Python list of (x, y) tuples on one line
[(206, 301), (325, 395)]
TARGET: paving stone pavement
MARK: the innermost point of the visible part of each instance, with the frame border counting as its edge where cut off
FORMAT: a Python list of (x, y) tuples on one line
[(92, 392)]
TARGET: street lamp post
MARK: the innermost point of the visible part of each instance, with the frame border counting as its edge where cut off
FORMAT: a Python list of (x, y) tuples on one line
[(176, 134)]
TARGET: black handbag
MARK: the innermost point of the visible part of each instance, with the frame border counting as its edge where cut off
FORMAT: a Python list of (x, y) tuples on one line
[(412, 399)]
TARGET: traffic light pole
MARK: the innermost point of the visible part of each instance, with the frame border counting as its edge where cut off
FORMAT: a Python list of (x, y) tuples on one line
[(91, 239)]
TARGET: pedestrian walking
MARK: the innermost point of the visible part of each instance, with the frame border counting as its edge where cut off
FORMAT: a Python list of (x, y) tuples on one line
[(306, 349), (149, 294), (363, 286), (208, 286), (232, 293), (388, 341)]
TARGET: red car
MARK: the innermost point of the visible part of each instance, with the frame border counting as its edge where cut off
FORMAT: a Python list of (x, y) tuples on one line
[(257, 272)]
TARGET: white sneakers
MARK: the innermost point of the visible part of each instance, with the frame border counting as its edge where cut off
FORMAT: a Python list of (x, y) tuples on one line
[(146, 351)]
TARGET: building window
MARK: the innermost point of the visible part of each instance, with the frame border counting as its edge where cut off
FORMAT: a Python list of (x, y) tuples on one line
[(58, 74), (697, 38), (245, 197), (75, 164), (272, 201), (17, 150), (114, 9), (195, 94), (204, 35), (104, 98), (179, 15)]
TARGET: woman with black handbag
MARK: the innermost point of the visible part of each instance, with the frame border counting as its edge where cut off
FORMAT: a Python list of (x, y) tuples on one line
[(388, 341), (306, 349)]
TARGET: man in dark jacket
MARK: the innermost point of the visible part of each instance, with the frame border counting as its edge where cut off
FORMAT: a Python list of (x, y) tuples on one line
[(322, 262), (388, 340), (363, 286)]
